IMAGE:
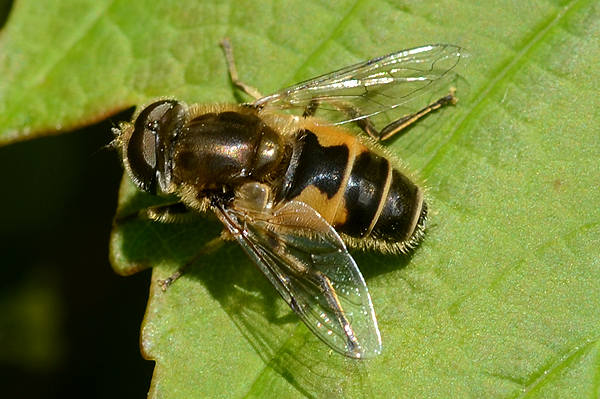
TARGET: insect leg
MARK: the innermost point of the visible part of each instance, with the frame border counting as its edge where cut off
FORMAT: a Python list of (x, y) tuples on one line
[(388, 131), (208, 248), (364, 123), (168, 213), (171, 213), (328, 291), (311, 108), (228, 50), (408, 120)]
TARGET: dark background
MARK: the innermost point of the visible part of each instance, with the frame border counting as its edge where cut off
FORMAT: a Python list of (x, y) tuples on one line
[(69, 326)]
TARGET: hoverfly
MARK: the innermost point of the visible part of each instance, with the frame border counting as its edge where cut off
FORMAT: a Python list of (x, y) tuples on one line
[(294, 189)]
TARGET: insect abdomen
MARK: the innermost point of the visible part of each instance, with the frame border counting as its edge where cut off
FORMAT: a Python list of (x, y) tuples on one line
[(356, 190)]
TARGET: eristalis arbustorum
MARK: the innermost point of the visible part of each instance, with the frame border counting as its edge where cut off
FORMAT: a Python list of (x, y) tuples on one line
[(294, 190)]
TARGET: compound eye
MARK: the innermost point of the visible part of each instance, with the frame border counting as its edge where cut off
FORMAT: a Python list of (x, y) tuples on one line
[(146, 143)]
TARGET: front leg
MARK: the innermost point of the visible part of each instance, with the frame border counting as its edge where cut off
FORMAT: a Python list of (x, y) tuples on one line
[(208, 248), (173, 213), (168, 213), (228, 50)]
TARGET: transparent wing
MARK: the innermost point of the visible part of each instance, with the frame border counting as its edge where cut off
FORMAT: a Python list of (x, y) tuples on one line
[(307, 262), (401, 79)]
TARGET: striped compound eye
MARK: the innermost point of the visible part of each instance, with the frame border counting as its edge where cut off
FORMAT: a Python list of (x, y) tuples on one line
[(147, 152)]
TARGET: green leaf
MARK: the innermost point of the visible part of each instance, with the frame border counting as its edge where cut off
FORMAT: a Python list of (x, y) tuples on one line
[(501, 300)]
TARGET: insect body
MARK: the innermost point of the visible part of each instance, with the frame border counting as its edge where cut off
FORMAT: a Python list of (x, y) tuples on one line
[(293, 190)]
